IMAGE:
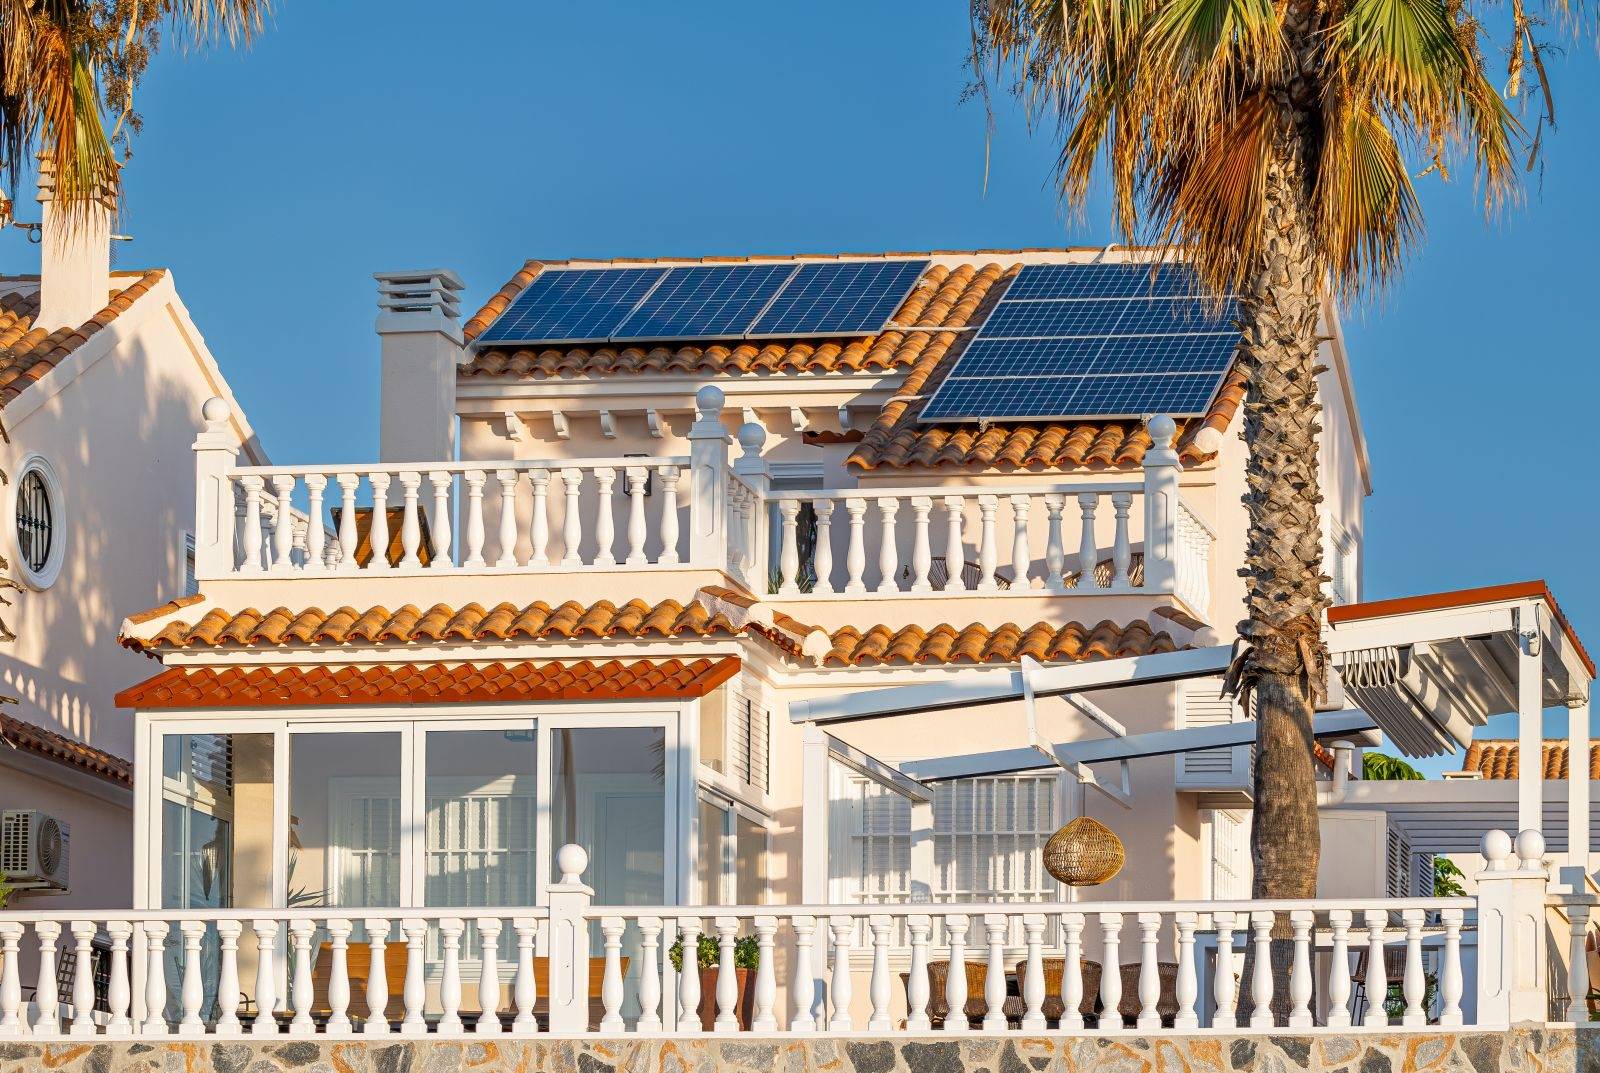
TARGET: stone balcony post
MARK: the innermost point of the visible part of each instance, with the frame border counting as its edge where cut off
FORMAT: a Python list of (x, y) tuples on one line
[(1161, 472), (708, 481), (1512, 960), (215, 452), (569, 943)]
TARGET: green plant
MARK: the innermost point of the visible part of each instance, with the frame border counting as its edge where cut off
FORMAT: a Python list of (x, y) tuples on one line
[(746, 954), (1380, 767), (1394, 1000), (6, 890), (1445, 878)]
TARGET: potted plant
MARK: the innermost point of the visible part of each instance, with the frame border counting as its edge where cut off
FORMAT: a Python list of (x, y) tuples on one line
[(746, 955)]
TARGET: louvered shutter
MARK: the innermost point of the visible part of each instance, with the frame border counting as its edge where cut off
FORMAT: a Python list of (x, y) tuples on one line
[(1205, 706)]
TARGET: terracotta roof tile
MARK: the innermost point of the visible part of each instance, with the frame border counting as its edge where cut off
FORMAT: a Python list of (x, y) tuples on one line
[(27, 353), (944, 297), (19, 734), (472, 622), (430, 683), (978, 644), (1498, 759)]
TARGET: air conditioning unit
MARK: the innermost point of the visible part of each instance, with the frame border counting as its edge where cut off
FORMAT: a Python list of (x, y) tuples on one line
[(34, 851)]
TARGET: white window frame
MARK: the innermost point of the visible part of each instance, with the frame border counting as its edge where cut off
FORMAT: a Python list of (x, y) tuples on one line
[(45, 576), (733, 810)]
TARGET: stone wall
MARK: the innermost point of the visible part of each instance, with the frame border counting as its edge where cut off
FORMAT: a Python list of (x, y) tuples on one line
[(1523, 1050)]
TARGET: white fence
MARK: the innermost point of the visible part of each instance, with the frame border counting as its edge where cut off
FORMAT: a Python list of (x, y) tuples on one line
[(574, 967), (705, 510)]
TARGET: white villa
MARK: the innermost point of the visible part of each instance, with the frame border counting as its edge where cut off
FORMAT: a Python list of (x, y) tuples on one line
[(629, 639)]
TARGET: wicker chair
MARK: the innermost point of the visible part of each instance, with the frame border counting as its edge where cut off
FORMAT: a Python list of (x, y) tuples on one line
[(1166, 1005), (976, 1008), (1054, 970)]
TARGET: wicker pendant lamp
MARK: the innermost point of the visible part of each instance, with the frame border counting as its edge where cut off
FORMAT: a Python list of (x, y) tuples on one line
[(1084, 853)]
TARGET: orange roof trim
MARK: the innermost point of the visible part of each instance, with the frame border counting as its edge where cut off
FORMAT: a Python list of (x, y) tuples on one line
[(26, 737), (1494, 758), (977, 644), (1439, 601), (430, 683)]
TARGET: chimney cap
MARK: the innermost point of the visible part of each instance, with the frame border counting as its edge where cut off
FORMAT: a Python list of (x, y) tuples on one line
[(424, 300)]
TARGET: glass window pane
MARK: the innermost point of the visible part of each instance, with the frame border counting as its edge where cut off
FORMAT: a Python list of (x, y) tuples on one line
[(750, 868), (344, 819), (216, 827), (713, 822), (609, 796)]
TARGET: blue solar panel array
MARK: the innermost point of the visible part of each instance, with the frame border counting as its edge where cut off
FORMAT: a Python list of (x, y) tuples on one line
[(693, 302), (1092, 340)]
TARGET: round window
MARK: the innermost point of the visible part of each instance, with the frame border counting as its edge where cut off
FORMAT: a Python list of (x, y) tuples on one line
[(38, 521)]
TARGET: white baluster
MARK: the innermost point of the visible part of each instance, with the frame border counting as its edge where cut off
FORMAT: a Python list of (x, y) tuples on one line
[(450, 929), (228, 932), (649, 975), (410, 519), (1121, 548), (46, 996), (472, 550), (805, 984), (638, 478), (921, 544), (878, 988), (839, 989), (266, 996), (1111, 972), (489, 976), (888, 550), (1186, 988), (83, 932), (1149, 973), (1088, 547), (1033, 973), (988, 553), (119, 995), (338, 1022), (301, 988), (155, 979), (251, 539), (439, 523), (789, 547), (1055, 552), (727, 1019), (316, 533), (766, 985), (1021, 555), (1577, 962), (283, 530), (1451, 982), (689, 976), (192, 990), (1224, 989), (955, 980), (994, 980), (1300, 921), (539, 522), (611, 929), (605, 522), (1415, 987), (955, 554), (855, 556), (377, 993), (1261, 971), (822, 556), (571, 519), (1339, 969), (669, 514), (917, 978), (1377, 977), (525, 990), (349, 532), (1072, 971), (414, 990), (11, 1020), (379, 541), (508, 517)]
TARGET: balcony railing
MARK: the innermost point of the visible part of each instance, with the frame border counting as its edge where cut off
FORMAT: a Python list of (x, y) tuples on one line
[(1375, 964), (708, 510)]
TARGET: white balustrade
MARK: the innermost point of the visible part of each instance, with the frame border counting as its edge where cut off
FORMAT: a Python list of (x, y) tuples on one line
[(216, 972)]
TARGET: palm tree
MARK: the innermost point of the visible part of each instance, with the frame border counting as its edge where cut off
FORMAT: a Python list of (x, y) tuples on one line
[(67, 66), (1272, 142)]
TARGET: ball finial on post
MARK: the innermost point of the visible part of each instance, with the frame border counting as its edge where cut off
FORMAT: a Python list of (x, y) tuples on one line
[(215, 412), (708, 400), (1530, 848), (572, 860), (752, 438), (1162, 430), (1496, 849)]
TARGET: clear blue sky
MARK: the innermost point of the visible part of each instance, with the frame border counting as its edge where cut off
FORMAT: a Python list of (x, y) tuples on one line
[(275, 182)]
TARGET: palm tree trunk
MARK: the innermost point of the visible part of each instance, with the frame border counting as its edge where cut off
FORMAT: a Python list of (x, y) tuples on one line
[(1282, 657)]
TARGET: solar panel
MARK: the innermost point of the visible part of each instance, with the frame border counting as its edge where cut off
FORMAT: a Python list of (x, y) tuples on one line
[(572, 305), (839, 298), (705, 302), (1093, 340)]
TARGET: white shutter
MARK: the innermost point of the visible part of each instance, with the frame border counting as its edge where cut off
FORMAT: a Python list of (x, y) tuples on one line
[(747, 742), (1205, 706), (1399, 874), (1230, 855)]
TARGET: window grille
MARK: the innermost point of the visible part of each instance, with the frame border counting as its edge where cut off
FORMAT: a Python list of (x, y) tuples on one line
[(35, 521)]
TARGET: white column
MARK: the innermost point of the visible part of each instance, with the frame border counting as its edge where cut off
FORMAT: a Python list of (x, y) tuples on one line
[(840, 993), (450, 929), (378, 533), (878, 987), (1021, 555), (1225, 991), (1033, 973), (569, 942), (410, 518), (917, 975), (439, 520), (414, 991), (955, 555), (508, 517), (377, 991), (1530, 721), (192, 988), (988, 553), (611, 929), (46, 996), (539, 522), (822, 556), (1072, 971), (1339, 969), (489, 976), (1055, 555), (1578, 786), (301, 987), (1186, 989), (266, 933), (1162, 470), (83, 932), (338, 1021), (571, 517), (766, 983), (805, 983), (955, 978), (888, 549), (709, 445), (11, 1020), (1110, 972), (1149, 973), (669, 515), (525, 990), (921, 544), (1088, 544), (649, 975), (215, 452), (922, 862)]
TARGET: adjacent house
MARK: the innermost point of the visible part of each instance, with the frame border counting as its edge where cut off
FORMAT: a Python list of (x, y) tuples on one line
[(102, 375)]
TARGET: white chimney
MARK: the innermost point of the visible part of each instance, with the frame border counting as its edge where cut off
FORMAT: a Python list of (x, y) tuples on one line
[(419, 329), (75, 266)]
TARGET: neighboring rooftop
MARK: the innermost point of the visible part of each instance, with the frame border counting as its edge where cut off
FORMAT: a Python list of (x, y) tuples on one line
[(1499, 758)]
